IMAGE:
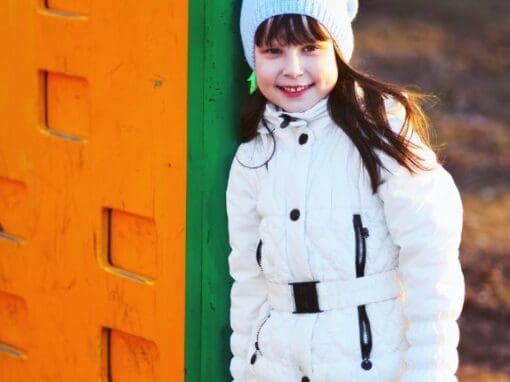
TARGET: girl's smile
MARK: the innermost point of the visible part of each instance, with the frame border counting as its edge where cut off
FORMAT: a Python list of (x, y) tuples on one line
[(296, 77), (294, 91)]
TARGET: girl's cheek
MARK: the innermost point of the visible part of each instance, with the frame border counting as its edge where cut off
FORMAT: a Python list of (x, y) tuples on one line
[(263, 74)]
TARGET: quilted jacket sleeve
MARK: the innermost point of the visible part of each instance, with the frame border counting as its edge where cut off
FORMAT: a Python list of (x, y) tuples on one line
[(249, 291), (424, 217)]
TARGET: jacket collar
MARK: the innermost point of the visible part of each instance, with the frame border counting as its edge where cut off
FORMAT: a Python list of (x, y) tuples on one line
[(317, 118)]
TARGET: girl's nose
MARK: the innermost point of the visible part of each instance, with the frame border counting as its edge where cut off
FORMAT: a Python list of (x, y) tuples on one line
[(293, 65)]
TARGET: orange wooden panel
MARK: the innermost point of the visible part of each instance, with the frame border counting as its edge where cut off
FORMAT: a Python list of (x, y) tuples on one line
[(92, 190)]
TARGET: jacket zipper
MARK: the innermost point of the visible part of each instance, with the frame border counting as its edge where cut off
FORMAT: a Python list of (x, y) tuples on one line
[(365, 334), (259, 255), (257, 348)]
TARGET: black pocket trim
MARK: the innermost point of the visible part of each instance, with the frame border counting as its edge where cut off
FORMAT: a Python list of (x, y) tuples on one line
[(365, 334), (259, 255)]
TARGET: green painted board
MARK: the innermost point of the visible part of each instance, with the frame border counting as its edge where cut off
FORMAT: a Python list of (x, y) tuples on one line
[(216, 88)]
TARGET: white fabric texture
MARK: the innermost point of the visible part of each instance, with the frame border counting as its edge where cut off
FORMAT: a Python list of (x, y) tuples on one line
[(335, 15), (414, 224)]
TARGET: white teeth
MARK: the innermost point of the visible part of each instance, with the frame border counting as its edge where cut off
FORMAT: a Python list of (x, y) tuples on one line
[(294, 89)]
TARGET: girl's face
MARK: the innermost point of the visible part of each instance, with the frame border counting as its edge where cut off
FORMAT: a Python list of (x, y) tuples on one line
[(296, 77)]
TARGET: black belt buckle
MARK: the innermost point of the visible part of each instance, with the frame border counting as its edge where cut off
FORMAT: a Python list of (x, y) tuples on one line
[(306, 299)]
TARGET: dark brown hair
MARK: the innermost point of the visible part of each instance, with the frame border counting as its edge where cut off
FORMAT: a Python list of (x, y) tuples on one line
[(363, 120)]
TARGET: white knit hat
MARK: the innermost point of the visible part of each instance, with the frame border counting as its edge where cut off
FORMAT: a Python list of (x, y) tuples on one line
[(335, 15)]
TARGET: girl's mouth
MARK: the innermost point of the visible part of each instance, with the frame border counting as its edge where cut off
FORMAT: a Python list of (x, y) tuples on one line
[(294, 91)]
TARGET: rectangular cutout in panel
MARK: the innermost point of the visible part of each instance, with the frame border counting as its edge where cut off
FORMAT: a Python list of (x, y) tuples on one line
[(127, 357), (130, 245), (13, 322), (68, 8), (14, 211), (66, 106)]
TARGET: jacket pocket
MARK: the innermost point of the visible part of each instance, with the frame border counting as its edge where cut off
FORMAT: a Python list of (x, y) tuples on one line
[(390, 332)]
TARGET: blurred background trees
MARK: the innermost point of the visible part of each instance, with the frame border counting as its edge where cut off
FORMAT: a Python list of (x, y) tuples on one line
[(459, 51)]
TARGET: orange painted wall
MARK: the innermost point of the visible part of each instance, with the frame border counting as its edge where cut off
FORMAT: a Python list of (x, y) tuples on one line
[(92, 190)]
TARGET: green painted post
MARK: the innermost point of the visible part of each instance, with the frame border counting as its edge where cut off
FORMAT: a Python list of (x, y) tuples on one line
[(216, 88)]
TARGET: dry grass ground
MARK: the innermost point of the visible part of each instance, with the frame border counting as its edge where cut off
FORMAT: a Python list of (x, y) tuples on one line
[(459, 50)]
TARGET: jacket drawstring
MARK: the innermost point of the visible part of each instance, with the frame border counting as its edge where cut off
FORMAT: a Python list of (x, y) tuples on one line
[(287, 119)]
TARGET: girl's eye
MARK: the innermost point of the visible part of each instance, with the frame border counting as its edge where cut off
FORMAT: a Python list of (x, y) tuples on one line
[(310, 48), (273, 50)]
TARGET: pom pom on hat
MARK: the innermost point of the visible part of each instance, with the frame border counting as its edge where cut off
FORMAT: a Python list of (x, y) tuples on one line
[(335, 15)]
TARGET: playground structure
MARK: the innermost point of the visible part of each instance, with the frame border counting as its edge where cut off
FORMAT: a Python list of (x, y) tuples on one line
[(117, 133)]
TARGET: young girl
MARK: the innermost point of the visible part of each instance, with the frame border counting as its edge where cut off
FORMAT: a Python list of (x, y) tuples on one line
[(344, 228)]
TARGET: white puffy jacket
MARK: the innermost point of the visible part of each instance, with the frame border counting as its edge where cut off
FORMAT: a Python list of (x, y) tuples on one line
[(310, 215)]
